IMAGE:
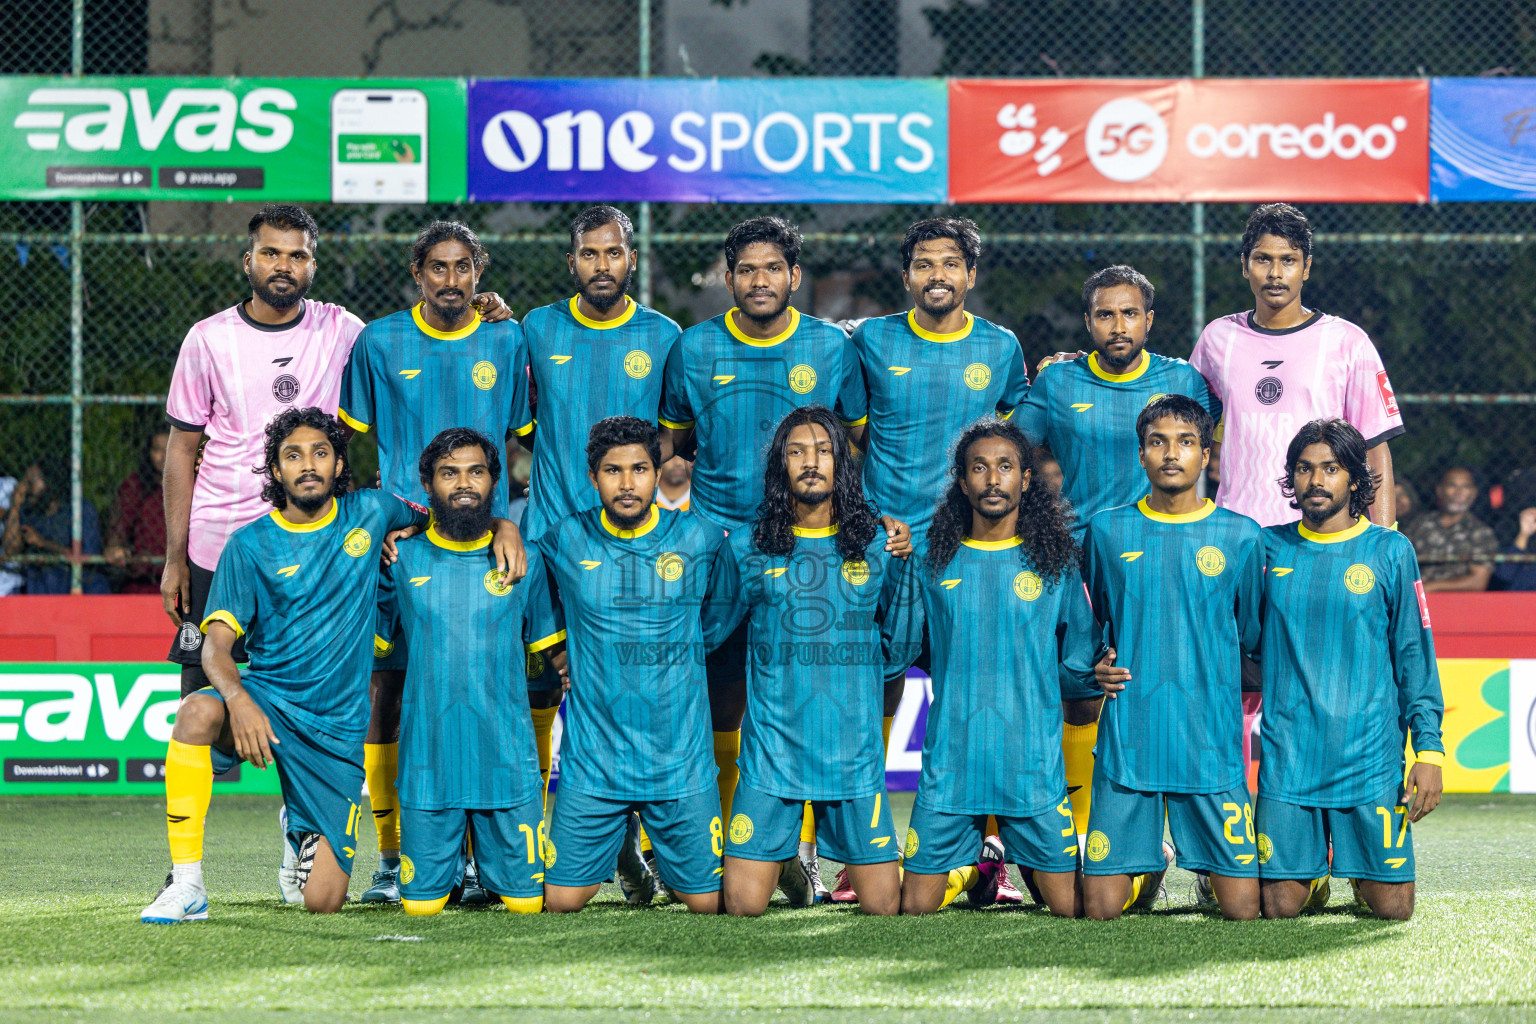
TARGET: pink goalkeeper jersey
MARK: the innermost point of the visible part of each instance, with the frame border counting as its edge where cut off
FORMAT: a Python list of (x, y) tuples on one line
[(1270, 382), (232, 377)]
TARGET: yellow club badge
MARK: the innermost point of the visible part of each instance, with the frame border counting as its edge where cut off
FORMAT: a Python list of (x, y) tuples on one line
[(1098, 846), (534, 666), (357, 542), (1027, 585), (1156, 397), (484, 375), (1359, 578), (802, 379), (549, 853), (978, 376), (1266, 848), (637, 364), (741, 829), (910, 849), (856, 573), (669, 566), (1210, 560), (496, 583), (407, 870)]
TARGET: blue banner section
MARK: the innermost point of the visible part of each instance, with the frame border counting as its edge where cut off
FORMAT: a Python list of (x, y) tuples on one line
[(713, 140), (1482, 139)]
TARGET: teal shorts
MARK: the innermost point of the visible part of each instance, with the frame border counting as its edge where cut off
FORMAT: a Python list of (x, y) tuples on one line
[(508, 847), (587, 831), (939, 841), (1211, 831), (321, 776), (857, 831), (1373, 841)]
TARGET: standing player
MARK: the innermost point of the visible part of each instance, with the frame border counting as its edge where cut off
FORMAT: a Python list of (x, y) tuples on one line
[(633, 579), (467, 757), (299, 586), (1349, 676), (411, 375), (1011, 634), (1176, 583), (812, 580), (1085, 410)]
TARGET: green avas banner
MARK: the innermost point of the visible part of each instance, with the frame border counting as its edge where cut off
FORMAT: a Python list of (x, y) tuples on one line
[(97, 728), (217, 139)]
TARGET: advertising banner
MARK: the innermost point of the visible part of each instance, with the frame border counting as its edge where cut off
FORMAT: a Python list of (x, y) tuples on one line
[(1482, 139), (1217, 140), (834, 140), (218, 139)]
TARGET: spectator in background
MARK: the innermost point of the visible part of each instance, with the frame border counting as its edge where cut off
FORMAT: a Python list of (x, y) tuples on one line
[(1048, 470), (676, 484), (1407, 503), (38, 523), (1520, 575), (10, 582), (1453, 545), (519, 469), (137, 532)]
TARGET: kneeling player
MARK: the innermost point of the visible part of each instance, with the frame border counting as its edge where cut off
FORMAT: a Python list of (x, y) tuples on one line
[(1349, 672), (1012, 635), (812, 579), (299, 584), (467, 754), (1176, 583), (632, 579)]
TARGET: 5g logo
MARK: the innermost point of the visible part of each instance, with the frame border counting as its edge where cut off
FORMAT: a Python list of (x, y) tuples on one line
[(1127, 140)]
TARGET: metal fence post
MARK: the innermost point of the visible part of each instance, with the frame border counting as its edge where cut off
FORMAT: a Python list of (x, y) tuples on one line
[(76, 331), (1197, 209), (645, 206)]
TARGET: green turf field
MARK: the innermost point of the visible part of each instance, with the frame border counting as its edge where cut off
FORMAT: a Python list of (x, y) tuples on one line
[(78, 870)]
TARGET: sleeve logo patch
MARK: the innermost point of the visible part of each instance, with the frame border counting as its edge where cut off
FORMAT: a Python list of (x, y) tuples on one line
[(802, 379), (669, 566), (856, 573), (637, 364), (483, 374), (1418, 588), (357, 542), (978, 376), (1359, 579), (1210, 560), (1027, 586), (1388, 396)]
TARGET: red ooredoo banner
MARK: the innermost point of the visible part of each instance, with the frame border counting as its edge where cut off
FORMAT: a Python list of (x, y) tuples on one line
[(1222, 140)]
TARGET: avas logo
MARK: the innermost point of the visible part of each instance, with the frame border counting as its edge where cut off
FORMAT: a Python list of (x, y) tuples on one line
[(91, 120), (56, 706), (1127, 140)]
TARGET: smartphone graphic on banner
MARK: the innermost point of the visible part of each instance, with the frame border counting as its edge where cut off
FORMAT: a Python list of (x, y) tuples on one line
[(379, 146)]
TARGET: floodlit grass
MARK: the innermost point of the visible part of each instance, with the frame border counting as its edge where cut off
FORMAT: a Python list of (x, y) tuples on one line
[(78, 870)]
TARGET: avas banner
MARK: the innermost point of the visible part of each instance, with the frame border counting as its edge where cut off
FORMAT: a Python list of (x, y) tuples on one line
[(1220, 140), (711, 140), (216, 139), (1482, 139), (95, 728)]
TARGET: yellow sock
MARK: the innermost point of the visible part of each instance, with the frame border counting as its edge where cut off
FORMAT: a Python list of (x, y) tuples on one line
[(524, 904), (727, 747), (1077, 747), (645, 841), (960, 880), (544, 739), (885, 732), (1137, 881), (381, 762), (188, 790), (424, 908), (808, 825)]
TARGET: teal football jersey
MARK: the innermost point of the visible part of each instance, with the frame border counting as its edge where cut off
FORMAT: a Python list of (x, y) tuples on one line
[(303, 596), (637, 723), (1349, 664), (1087, 417), (1178, 598), (466, 740), (733, 391), (1006, 646), (924, 390), (584, 371), (408, 382), (818, 628)]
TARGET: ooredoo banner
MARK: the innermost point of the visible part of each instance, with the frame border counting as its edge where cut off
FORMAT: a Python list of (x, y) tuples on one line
[(1227, 140)]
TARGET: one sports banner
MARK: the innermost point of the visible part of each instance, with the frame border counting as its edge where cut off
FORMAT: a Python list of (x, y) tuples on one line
[(1482, 139), (1218, 140), (709, 140), (218, 139)]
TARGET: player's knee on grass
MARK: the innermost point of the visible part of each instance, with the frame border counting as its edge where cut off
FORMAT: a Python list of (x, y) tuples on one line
[(1391, 901), (1283, 898), (1238, 897), (1084, 711), (748, 886), (1061, 891), (1105, 896), (523, 904), (922, 894), (878, 887), (200, 720), (703, 902), (727, 704), (326, 890), (567, 899), (384, 693)]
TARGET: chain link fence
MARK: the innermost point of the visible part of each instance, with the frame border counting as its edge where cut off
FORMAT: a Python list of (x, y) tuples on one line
[(95, 298)]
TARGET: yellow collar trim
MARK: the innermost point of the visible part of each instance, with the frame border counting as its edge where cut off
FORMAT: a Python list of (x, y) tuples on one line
[(630, 305), (458, 545), (1361, 525), (433, 332), (1188, 517), (741, 336), (970, 321), (1119, 378), (992, 545), (639, 531), (819, 531), (318, 524)]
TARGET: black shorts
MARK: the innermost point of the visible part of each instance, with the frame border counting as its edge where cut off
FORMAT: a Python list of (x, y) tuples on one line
[(187, 648), (1253, 676), (727, 663)]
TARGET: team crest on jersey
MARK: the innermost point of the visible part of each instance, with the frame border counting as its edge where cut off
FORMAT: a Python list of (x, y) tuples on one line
[(407, 870), (910, 849), (1266, 848), (1269, 390), (357, 542), (1359, 578), (382, 648), (856, 573), (741, 829), (1027, 585), (483, 374), (1160, 394), (637, 364), (802, 379), (978, 376), (534, 667), (1098, 846), (669, 566), (285, 388), (496, 583), (1210, 560)]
